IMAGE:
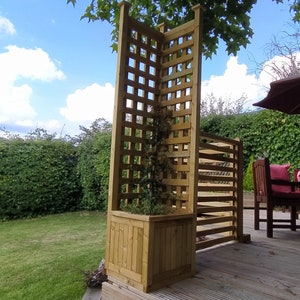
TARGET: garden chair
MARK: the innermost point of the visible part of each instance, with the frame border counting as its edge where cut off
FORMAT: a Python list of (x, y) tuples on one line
[(278, 191)]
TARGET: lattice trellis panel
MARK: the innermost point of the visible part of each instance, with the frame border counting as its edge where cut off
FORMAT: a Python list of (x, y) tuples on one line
[(158, 75), (140, 99), (176, 95)]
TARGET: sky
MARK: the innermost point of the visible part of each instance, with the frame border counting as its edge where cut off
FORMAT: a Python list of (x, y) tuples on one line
[(57, 72)]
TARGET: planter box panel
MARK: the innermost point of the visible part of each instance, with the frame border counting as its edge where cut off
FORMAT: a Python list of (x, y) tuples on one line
[(125, 244), (173, 243), (148, 252)]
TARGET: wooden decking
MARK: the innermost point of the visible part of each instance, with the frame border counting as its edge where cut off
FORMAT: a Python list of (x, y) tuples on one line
[(263, 269)]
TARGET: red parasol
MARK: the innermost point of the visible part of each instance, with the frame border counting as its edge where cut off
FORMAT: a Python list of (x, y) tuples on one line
[(284, 95)]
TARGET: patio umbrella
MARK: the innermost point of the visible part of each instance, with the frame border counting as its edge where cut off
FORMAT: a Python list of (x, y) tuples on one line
[(284, 95)]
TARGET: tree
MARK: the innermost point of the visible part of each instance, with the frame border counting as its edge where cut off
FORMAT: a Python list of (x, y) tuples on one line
[(223, 20), (93, 164), (211, 105), (282, 55)]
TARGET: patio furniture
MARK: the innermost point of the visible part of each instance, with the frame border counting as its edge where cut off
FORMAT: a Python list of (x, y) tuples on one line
[(273, 188)]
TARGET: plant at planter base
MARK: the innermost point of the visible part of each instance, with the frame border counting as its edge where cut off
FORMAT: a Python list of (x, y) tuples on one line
[(155, 164), (94, 279)]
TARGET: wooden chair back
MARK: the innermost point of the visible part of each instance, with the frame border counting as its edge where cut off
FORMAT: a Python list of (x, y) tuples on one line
[(262, 180), (263, 194)]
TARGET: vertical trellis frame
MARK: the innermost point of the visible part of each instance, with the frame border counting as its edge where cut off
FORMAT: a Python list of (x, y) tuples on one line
[(156, 69)]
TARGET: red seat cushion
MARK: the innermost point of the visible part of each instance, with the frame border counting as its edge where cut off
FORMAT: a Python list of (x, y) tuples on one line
[(280, 172), (298, 176)]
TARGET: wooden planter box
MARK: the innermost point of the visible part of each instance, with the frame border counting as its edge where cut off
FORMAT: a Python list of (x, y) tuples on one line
[(149, 252)]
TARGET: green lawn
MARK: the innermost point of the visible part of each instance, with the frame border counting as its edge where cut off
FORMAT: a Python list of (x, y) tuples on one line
[(44, 258)]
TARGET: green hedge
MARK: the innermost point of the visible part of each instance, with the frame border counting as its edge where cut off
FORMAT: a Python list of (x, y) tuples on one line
[(263, 133), (37, 177), (42, 175)]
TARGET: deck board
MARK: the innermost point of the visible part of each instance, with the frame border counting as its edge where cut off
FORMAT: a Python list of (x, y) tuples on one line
[(261, 270)]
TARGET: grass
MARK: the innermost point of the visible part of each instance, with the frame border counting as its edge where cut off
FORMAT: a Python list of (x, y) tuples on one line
[(44, 258)]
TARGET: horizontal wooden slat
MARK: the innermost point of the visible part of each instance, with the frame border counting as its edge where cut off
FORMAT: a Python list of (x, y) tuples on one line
[(143, 127), (214, 148), (215, 178), (131, 152), (209, 243), (213, 167), (130, 196), (136, 98), (213, 220), (180, 168), (183, 99), (176, 61), (182, 30), (133, 167), (181, 126), (179, 140), (174, 88), (144, 29), (141, 86), (182, 113), (210, 209), (176, 48), (214, 157), (210, 137), (176, 75), (132, 139), (137, 113), (216, 230), (215, 198), (134, 67), (177, 182), (179, 154), (216, 188)]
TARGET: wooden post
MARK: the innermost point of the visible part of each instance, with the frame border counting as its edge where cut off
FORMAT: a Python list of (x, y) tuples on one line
[(195, 121), (195, 117), (239, 195), (114, 175), (118, 105)]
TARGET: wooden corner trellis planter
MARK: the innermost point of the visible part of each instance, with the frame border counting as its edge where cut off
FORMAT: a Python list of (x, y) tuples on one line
[(155, 67)]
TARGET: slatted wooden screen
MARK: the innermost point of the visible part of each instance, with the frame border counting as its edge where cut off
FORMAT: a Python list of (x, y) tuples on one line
[(158, 73), (220, 193)]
